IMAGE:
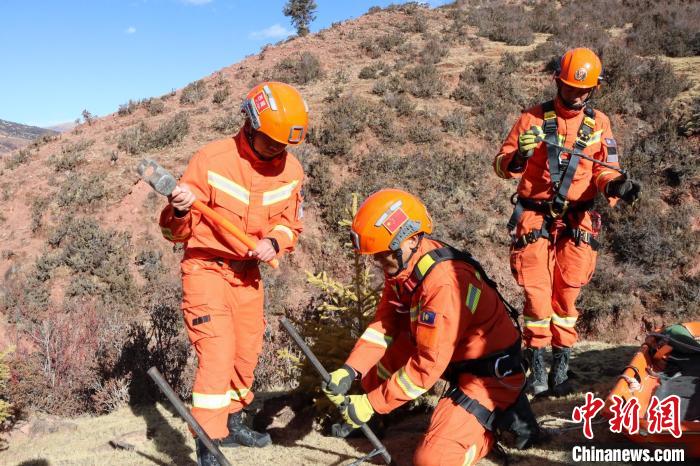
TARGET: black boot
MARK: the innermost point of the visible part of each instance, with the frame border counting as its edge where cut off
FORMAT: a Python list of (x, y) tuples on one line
[(537, 380), (559, 383), (204, 456), (241, 434), (521, 422)]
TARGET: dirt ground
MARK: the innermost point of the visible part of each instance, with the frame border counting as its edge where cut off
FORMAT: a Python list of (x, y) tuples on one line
[(156, 436)]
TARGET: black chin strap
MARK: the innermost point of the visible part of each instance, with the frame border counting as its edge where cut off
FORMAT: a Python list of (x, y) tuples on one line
[(399, 256), (250, 136), (569, 105)]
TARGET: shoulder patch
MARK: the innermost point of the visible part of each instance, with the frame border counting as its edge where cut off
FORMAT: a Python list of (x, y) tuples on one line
[(427, 318)]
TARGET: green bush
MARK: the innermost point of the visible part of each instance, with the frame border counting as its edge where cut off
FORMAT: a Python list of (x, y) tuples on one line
[(139, 138), (18, 158), (81, 191), (72, 156)]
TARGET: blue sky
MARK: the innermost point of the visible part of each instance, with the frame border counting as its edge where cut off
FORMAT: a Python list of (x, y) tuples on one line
[(60, 57)]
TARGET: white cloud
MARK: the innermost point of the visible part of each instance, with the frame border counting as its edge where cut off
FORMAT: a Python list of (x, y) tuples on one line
[(130, 30), (196, 2), (273, 32)]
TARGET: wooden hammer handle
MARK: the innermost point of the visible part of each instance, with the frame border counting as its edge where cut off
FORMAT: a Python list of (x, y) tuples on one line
[(227, 225)]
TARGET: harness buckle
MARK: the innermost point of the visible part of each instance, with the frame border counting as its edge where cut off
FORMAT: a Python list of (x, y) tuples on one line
[(497, 372), (556, 214)]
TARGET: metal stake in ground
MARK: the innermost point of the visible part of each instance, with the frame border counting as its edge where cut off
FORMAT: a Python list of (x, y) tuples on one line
[(186, 415), (379, 448), (164, 183)]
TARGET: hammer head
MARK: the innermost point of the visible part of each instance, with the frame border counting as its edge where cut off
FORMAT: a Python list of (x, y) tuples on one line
[(158, 177)]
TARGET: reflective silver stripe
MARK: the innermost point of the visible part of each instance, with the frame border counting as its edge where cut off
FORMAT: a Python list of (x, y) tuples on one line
[(239, 394), (411, 389), (270, 98), (470, 456), (279, 194), (229, 187), (532, 322), (594, 138), (286, 230), (206, 401), (382, 372), (473, 295), (567, 322), (376, 337)]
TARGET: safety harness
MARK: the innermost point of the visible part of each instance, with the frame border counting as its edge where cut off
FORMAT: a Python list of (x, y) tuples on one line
[(500, 364), (561, 172)]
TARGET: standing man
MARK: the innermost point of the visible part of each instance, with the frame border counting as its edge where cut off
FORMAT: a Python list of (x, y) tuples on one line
[(255, 183), (553, 226), (440, 316)]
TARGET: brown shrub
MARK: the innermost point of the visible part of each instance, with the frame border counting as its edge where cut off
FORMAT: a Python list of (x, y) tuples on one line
[(153, 106), (227, 123), (503, 22), (18, 158), (424, 81), (139, 138), (637, 86), (81, 191), (434, 51), (376, 47), (193, 93), (374, 71), (666, 28), (297, 69), (344, 119)]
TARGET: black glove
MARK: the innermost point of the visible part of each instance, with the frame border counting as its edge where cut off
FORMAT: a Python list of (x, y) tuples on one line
[(624, 188)]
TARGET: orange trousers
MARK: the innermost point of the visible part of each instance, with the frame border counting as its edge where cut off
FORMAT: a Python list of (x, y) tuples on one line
[(551, 274), (222, 306), (454, 436)]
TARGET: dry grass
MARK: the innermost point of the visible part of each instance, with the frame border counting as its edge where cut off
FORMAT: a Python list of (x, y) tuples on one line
[(159, 437)]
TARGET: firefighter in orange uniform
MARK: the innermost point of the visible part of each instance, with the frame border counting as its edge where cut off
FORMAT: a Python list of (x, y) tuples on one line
[(255, 183), (439, 316), (553, 226)]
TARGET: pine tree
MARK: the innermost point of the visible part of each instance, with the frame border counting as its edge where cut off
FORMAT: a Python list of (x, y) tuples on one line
[(343, 314), (302, 13)]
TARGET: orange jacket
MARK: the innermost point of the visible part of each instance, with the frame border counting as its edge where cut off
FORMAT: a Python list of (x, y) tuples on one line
[(535, 182), (262, 198), (454, 315)]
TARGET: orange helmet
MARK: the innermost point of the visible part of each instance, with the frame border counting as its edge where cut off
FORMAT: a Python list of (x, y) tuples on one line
[(277, 110), (386, 219), (580, 68)]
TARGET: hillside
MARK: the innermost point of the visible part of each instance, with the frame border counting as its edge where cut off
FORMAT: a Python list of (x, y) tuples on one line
[(15, 135), (406, 97)]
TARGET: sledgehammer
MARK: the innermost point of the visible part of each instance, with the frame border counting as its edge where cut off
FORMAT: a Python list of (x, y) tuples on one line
[(164, 183)]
